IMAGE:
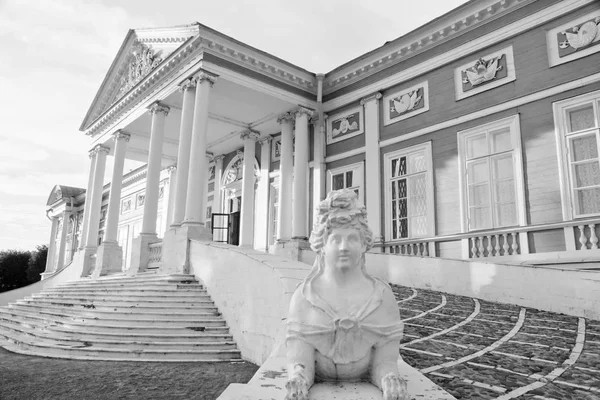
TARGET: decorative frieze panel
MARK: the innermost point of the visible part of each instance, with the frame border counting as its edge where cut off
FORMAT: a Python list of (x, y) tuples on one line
[(406, 103), (575, 39), (484, 73), (344, 125), (125, 205)]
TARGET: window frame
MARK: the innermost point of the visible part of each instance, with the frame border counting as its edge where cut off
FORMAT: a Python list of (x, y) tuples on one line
[(563, 136), (425, 147), (514, 125), (358, 175)]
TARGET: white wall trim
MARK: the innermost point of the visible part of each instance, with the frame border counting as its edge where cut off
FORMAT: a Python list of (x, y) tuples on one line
[(495, 109), (506, 32)]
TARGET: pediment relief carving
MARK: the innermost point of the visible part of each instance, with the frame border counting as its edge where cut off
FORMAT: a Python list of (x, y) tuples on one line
[(143, 60)]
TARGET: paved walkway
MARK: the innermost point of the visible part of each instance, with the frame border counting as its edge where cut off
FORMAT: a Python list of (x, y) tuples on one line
[(482, 350)]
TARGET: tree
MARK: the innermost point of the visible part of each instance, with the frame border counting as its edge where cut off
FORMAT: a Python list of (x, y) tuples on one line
[(37, 263), (13, 269)]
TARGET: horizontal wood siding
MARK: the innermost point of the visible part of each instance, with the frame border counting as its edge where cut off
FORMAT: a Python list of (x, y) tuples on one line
[(547, 241)]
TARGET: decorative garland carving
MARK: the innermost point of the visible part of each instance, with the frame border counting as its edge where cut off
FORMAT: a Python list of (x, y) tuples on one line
[(577, 37), (144, 60)]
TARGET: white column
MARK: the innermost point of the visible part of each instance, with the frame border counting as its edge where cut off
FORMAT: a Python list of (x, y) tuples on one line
[(319, 167), (94, 201), (88, 195), (247, 215), (217, 190), (373, 165), (159, 113), (183, 153), (209, 158), (63, 239), (284, 223), (52, 246), (194, 214), (169, 196), (114, 200), (261, 241), (300, 216)]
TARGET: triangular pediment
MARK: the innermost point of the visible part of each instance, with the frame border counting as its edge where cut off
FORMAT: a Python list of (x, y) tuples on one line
[(141, 52)]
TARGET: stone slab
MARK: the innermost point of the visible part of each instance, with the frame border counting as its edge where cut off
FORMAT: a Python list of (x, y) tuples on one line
[(269, 383)]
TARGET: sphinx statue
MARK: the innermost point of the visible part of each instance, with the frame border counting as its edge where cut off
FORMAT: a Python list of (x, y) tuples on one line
[(343, 324)]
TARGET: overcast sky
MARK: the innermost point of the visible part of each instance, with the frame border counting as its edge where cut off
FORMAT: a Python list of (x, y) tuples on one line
[(55, 54)]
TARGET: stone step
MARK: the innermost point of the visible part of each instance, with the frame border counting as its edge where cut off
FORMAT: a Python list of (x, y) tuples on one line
[(166, 279), (205, 321), (125, 296), (98, 353), (167, 313), (44, 336), (91, 303), (150, 308), (126, 288), (91, 334)]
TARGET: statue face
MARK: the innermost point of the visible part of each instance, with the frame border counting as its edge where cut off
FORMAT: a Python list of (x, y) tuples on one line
[(343, 249)]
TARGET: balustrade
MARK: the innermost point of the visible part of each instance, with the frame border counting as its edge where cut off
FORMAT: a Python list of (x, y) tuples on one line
[(155, 255)]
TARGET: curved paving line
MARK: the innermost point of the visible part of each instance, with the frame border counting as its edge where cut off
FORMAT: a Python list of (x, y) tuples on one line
[(443, 332), (442, 304), (481, 352), (412, 296), (575, 353)]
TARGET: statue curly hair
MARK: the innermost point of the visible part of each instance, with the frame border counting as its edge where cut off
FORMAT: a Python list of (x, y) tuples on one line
[(341, 208)]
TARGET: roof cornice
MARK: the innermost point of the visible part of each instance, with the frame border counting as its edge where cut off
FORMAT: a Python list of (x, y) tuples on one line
[(457, 22)]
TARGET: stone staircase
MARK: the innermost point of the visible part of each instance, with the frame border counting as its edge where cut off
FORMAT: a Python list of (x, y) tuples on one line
[(149, 317)]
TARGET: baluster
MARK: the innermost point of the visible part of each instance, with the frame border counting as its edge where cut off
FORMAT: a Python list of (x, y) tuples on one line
[(505, 245), (582, 237), (490, 248), (426, 249), (480, 247), (473, 247), (403, 249), (419, 251), (515, 243), (497, 244), (593, 237)]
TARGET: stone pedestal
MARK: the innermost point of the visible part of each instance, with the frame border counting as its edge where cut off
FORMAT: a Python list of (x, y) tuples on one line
[(140, 252), (88, 258), (109, 259), (291, 249), (175, 247)]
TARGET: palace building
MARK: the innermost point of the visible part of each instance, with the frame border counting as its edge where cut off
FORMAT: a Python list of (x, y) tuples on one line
[(475, 136)]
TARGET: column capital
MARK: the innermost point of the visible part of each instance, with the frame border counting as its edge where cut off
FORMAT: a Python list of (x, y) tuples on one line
[(373, 97), (315, 118), (171, 168), (209, 156), (218, 158), (120, 135), (189, 83), (159, 108), (285, 117), (98, 149), (265, 140), (204, 76), (250, 134), (239, 153), (303, 110)]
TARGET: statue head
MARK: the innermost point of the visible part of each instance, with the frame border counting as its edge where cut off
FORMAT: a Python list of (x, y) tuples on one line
[(342, 214)]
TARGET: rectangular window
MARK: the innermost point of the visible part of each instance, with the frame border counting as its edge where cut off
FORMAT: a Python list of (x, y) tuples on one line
[(577, 123), (348, 177), (409, 193), (491, 173)]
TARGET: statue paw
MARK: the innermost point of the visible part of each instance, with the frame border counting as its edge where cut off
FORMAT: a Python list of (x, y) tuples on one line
[(297, 388), (394, 388)]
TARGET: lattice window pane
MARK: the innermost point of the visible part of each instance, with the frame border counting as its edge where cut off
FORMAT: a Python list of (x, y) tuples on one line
[(506, 214), (402, 188), (504, 191), (479, 195), (588, 200), (480, 217), (418, 226), (349, 179), (403, 228), (502, 167), (587, 174), (581, 118), (477, 146), (416, 163), (478, 171), (338, 182), (584, 148), (500, 140)]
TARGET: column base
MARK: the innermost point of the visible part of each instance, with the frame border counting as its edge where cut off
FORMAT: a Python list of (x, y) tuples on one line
[(109, 259), (140, 252), (297, 249), (88, 255), (176, 244)]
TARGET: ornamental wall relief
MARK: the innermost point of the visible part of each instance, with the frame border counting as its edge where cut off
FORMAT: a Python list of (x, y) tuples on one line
[(575, 39), (405, 103), (345, 124), (484, 73), (144, 59)]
